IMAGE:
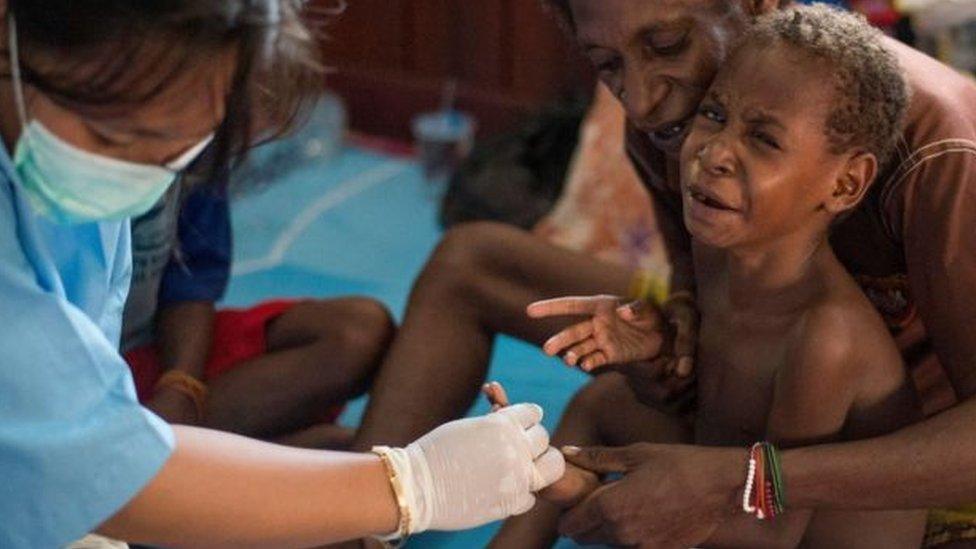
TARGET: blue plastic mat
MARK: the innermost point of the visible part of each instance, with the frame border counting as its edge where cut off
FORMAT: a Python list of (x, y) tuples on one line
[(364, 224)]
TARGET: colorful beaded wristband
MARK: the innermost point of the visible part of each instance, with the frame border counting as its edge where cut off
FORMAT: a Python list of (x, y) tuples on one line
[(764, 493)]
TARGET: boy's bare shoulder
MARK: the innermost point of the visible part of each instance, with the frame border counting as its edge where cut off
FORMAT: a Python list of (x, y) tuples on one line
[(847, 337), (840, 359)]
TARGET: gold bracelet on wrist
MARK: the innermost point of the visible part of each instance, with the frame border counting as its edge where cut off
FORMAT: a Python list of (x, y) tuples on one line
[(188, 385), (404, 523)]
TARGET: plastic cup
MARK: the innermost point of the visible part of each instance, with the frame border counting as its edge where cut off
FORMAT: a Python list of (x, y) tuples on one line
[(444, 139)]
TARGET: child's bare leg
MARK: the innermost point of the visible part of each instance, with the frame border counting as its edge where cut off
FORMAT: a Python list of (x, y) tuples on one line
[(476, 285), (604, 412), (320, 354)]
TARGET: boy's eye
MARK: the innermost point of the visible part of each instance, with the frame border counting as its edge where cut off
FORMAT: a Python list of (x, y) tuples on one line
[(765, 139), (605, 61), (712, 114), (611, 66)]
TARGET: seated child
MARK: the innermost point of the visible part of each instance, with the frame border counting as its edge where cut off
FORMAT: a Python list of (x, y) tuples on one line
[(788, 138)]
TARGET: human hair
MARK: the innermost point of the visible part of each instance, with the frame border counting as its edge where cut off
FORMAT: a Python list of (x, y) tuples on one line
[(125, 52), (871, 94)]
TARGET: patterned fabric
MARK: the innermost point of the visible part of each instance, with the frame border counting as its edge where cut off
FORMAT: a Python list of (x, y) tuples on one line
[(605, 211), (951, 525)]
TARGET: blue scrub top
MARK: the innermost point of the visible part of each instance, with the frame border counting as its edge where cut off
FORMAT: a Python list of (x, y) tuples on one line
[(75, 445)]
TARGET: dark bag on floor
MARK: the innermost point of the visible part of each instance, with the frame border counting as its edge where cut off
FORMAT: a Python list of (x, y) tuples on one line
[(515, 178)]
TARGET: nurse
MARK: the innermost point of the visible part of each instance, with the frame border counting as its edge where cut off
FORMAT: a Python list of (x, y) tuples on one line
[(105, 102)]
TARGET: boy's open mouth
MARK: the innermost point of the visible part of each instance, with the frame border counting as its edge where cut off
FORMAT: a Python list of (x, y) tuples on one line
[(709, 199)]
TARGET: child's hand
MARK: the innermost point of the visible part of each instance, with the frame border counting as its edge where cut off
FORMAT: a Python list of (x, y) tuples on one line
[(572, 488), (681, 312), (614, 332)]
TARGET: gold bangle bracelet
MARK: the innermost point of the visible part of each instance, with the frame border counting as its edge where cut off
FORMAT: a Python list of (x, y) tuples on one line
[(396, 484), (188, 385)]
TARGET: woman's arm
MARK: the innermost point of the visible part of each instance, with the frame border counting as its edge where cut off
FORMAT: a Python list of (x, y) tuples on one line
[(222, 490), (929, 464)]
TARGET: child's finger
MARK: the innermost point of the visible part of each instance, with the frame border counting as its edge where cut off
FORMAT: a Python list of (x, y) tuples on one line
[(489, 393), (569, 336), (685, 339), (501, 396), (567, 306), (593, 361), (580, 350), (662, 368), (496, 395), (631, 310), (640, 311)]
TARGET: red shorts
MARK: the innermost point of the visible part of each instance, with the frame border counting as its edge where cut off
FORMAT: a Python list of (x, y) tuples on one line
[(239, 335)]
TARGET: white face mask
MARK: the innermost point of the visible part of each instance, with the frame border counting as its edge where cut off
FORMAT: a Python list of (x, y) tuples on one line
[(72, 185)]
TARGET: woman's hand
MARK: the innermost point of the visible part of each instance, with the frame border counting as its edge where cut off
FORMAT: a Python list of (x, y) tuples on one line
[(473, 471), (668, 496), (612, 332)]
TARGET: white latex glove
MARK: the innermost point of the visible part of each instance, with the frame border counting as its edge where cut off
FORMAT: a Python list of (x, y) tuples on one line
[(474, 471)]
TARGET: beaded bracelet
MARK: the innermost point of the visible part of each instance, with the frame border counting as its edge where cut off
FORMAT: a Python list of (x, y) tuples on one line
[(764, 493)]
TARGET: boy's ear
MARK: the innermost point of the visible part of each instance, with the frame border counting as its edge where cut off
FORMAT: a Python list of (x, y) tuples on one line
[(852, 183), (756, 8)]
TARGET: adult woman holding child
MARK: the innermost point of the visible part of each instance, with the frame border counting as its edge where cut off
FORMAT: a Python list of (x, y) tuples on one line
[(909, 245), (103, 105)]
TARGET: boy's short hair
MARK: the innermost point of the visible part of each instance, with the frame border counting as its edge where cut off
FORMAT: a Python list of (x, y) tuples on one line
[(871, 94)]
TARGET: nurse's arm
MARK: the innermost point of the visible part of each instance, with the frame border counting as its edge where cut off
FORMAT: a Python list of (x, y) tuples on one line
[(222, 490)]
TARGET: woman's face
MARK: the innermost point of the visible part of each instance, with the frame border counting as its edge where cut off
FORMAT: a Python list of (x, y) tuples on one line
[(658, 56), (188, 107)]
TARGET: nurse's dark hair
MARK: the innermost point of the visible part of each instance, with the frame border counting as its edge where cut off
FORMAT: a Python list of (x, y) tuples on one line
[(116, 52)]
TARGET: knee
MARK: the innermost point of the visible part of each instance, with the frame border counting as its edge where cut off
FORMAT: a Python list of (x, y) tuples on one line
[(466, 256), (360, 330), (365, 326)]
